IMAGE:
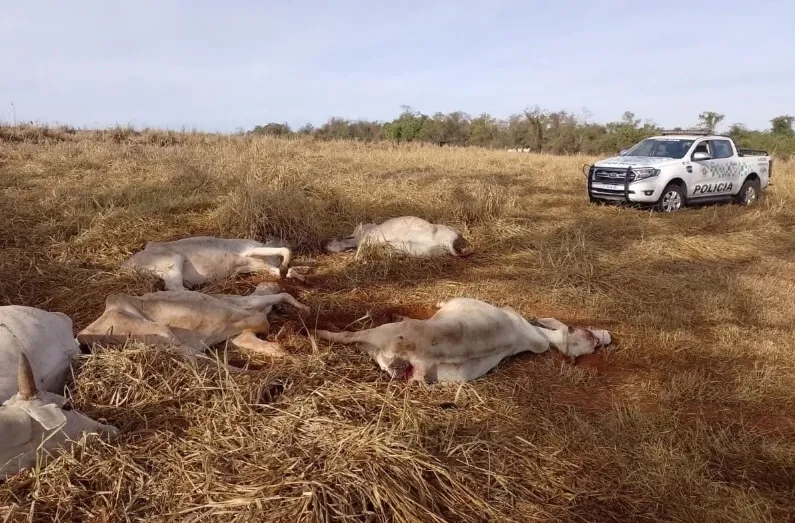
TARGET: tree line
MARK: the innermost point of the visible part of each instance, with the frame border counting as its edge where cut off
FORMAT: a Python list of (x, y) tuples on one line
[(558, 132)]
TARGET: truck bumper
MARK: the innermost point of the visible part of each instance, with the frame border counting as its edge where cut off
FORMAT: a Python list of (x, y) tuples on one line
[(643, 191), (634, 193)]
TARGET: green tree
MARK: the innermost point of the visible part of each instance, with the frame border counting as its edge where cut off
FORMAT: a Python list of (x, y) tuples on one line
[(737, 131), (406, 127), (453, 127), (483, 131), (710, 120), (626, 132), (306, 129), (782, 125), (557, 132), (536, 123), (335, 128), (273, 129)]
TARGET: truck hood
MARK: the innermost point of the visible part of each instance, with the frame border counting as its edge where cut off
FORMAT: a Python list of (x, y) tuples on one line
[(636, 161)]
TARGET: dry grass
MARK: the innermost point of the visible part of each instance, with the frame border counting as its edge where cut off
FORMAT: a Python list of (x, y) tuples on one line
[(688, 417)]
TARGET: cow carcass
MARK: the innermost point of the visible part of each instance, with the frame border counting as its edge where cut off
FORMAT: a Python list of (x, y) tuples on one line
[(463, 340), (191, 321), (194, 261), (47, 340), (34, 419), (408, 234)]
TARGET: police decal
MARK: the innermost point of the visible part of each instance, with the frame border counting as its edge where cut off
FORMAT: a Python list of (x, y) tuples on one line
[(712, 188)]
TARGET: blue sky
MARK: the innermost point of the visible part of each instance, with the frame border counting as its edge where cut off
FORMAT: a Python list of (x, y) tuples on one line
[(235, 64)]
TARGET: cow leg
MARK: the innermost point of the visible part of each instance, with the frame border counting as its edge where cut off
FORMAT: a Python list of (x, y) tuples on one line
[(378, 337), (170, 269), (341, 244), (278, 299), (297, 273), (282, 252), (282, 272), (278, 272), (248, 340), (266, 288)]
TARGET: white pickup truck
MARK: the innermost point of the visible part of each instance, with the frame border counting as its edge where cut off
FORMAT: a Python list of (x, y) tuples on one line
[(676, 169)]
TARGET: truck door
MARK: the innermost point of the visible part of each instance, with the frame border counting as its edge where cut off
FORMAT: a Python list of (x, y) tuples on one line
[(726, 167), (701, 178)]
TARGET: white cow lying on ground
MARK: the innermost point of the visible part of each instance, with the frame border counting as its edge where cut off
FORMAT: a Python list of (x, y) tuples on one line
[(46, 337), (191, 321), (200, 259), (34, 419), (412, 235), (463, 340)]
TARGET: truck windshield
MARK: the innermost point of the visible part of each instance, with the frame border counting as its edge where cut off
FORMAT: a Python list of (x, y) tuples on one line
[(660, 147)]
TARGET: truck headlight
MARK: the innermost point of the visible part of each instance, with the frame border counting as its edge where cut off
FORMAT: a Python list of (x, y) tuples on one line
[(645, 172)]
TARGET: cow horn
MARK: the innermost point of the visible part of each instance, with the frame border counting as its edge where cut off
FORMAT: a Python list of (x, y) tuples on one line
[(26, 383)]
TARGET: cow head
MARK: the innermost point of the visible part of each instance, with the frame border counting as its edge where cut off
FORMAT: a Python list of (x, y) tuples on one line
[(33, 419), (575, 341), (396, 359), (462, 247)]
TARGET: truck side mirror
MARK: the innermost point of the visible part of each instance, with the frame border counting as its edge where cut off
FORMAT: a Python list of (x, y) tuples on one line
[(700, 156), (622, 151)]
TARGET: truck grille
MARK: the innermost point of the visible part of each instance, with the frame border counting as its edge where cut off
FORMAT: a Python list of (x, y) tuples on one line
[(611, 174)]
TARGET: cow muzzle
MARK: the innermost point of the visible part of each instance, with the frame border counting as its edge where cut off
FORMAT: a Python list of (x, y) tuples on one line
[(463, 247)]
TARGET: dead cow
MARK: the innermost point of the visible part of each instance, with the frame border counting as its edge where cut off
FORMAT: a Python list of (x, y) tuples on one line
[(46, 337), (191, 321), (200, 259), (463, 340), (35, 419), (409, 234)]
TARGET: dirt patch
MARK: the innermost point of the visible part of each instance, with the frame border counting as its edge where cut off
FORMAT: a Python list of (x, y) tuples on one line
[(356, 313), (417, 311), (597, 362)]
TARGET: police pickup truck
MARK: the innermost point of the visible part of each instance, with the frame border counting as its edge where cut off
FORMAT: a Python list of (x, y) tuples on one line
[(676, 169)]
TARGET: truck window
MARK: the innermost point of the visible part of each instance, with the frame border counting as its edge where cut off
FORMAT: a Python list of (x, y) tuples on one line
[(660, 148), (702, 147), (721, 149)]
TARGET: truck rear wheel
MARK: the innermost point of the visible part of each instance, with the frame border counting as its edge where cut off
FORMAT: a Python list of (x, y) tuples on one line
[(671, 200), (749, 192)]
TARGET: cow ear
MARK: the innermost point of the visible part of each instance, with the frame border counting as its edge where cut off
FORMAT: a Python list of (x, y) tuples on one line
[(551, 323), (49, 416), (26, 382)]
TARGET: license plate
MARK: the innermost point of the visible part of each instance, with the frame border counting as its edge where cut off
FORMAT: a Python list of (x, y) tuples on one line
[(613, 187)]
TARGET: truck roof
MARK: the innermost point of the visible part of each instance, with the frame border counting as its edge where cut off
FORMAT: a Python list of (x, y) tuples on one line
[(686, 134)]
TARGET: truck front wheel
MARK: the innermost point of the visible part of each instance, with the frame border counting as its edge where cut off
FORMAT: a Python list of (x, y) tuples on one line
[(749, 192), (672, 199)]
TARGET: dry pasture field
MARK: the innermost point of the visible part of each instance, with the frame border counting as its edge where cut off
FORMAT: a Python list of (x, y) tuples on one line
[(688, 416)]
